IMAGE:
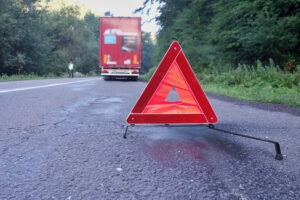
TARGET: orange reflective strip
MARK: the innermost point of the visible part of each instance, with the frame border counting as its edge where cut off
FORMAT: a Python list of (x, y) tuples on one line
[(105, 58), (187, 103), (135, 59)]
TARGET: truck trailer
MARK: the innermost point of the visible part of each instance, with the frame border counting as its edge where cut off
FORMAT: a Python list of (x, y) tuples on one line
[(120, 44)]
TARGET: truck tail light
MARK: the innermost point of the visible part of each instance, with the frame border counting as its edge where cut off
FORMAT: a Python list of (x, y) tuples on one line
[(104, 71), (135, 72)]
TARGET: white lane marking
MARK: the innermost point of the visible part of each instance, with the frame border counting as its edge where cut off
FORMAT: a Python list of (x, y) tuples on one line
[(43, 86)]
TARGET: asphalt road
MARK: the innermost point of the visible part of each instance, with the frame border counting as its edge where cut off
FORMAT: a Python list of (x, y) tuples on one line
[(62, 139)]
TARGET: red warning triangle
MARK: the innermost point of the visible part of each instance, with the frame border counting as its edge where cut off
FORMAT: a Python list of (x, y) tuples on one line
[(173, 77)]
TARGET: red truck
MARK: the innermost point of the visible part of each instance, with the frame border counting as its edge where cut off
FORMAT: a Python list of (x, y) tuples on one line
[(120, 47)]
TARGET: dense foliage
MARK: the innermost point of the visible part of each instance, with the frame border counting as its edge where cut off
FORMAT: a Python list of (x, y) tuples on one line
[(35, 40), (222, 32), (233, 45), (147, 52)]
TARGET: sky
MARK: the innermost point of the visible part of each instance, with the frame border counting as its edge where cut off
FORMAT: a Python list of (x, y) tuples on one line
[(123, 8)]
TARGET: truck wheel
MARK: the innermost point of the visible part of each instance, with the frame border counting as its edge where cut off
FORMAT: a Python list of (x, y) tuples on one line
[(106, 78)]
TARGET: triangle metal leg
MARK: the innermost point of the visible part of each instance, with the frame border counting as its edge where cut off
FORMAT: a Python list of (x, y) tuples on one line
[(278, 156), (125, 134)]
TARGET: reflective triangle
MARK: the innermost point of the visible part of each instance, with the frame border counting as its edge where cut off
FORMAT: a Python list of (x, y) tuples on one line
[(192, 106)]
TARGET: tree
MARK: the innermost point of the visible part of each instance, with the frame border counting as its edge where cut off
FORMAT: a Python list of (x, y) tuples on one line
[(73, 40), (34, 40), (251, 30), (23, 48), (233, 32), (147, 52)]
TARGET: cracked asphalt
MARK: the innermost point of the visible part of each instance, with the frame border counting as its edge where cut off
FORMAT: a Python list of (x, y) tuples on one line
[(65, 142)]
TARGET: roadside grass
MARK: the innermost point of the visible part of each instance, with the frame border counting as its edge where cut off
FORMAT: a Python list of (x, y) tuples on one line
[(4, 77), (255, 83), (267, 94), (149, 74), (18, 77)]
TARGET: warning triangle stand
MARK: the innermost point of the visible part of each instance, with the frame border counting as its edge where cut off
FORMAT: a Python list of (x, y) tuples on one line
[(174, 96), (173, 75)]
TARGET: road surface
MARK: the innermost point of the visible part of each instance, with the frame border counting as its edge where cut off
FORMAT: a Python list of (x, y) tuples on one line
[(62, 139)]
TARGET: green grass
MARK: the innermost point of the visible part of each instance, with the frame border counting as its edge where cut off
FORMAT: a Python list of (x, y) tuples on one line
[(19, 77), (148, 75), (257, 83), (268, 94)]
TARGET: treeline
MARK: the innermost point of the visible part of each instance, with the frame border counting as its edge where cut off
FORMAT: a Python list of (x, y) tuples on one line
[(36, 40), (215, 33)]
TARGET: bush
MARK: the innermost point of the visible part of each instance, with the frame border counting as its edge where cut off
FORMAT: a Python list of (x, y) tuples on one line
[(263, 83)]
